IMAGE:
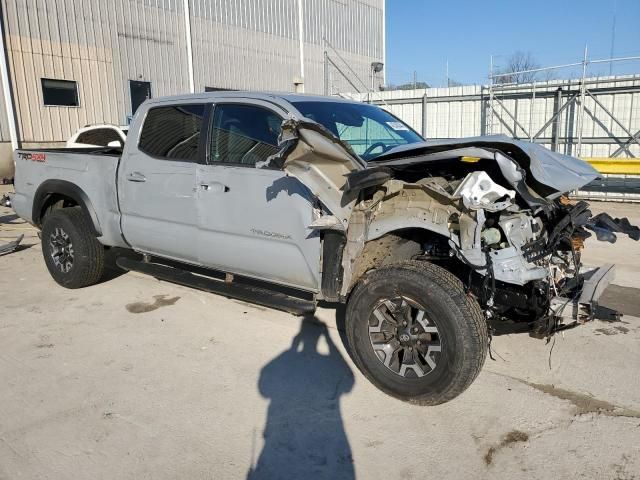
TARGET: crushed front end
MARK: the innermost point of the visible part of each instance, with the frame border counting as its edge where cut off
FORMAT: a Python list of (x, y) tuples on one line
[(492, 210), (516, 236)]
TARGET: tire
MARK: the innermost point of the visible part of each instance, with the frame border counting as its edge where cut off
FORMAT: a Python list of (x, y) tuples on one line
[(438, 354), (73, 255)]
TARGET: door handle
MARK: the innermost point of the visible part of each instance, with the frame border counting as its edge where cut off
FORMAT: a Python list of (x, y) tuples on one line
[(214, 187), (136, 177)]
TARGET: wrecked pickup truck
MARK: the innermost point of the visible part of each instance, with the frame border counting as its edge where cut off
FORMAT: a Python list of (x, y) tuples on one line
[(287, 200)]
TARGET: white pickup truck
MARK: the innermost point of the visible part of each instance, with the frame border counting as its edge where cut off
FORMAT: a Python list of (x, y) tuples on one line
[(297, 199)]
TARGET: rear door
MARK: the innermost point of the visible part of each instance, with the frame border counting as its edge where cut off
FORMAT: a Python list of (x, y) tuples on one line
[(254, 221), (157, 182)]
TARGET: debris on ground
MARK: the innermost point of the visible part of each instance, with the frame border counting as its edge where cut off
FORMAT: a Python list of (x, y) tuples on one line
[(11, 246), (5, 201)]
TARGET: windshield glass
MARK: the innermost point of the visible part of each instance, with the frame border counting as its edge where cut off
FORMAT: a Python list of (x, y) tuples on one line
[(370, 130)]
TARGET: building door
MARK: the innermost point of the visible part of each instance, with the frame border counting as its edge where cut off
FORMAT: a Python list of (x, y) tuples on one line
[(140, 91)]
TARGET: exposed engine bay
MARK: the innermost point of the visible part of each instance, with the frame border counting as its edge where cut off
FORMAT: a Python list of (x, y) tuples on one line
[(494, 211)]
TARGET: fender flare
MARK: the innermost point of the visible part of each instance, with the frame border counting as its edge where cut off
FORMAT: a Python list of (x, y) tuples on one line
[(68, 189)]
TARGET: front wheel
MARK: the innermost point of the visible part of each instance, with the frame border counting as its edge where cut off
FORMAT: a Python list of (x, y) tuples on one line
[(415, 333)]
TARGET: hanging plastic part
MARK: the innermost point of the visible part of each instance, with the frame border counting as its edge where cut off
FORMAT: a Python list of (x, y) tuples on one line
[(478, 191)]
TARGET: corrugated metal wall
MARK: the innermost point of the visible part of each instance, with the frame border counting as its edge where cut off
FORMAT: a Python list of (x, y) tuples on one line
[(463, 112), (253, 45), (238, 44)]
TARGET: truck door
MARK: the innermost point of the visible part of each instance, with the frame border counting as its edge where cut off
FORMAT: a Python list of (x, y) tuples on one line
[(157, 182), (253, 221)]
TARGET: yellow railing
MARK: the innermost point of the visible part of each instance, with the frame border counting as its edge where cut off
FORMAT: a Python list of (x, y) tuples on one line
[(617, 166)]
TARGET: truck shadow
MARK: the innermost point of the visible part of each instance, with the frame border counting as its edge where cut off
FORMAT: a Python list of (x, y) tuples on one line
[(111, 270), (10, 219), (304, 435)]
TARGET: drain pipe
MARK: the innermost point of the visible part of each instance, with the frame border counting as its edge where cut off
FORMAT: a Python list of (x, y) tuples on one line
[(187, 29), (300, 82), (6, 87)]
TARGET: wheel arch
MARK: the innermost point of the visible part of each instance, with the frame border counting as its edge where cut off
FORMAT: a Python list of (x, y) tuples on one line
[(387, 246), (51, 192)]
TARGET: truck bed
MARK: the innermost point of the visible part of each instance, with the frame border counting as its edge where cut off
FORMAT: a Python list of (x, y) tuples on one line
[(91, 170)]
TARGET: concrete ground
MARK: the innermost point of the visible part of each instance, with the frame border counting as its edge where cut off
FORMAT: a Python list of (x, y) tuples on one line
[(138, 378)]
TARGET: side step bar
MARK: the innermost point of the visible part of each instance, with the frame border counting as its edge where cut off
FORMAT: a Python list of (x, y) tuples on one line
[(240, 291)]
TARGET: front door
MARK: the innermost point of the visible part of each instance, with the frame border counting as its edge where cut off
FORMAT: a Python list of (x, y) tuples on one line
[(157, 183), (254, 221)]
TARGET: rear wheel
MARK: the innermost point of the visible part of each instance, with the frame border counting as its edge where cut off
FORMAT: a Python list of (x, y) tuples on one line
[(73, 255), (415, 333)]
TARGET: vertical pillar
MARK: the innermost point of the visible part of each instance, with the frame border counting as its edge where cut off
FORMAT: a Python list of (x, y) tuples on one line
[(300, 82), (424, 115), (187, 32), (6, 87), (555, 129), (583, 90), (326, 73)]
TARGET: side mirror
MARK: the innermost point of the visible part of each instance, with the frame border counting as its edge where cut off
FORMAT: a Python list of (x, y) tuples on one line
[(115, 144)]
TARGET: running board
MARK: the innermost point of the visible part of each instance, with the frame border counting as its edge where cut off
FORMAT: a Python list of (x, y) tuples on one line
[(239, 291)]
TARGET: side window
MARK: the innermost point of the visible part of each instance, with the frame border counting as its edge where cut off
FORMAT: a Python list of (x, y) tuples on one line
[(172, 132), (243, 134), (99, 136)]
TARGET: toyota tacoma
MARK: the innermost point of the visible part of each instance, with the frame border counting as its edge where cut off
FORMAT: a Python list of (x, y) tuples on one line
[(287, 200)]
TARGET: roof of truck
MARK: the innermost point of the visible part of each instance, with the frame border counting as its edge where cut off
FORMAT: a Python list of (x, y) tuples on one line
[(267, 96)]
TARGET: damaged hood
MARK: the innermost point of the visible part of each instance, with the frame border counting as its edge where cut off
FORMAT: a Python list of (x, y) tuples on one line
[(560, 173)]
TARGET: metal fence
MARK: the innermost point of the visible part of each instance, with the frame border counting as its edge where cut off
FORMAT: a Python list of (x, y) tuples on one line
[(601, 120), (585, 117)]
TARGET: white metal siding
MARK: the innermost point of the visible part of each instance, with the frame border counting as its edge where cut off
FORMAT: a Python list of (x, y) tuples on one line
[(239, 44)]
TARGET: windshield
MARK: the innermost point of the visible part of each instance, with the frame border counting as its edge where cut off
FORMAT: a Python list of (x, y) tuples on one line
[(370, 130)]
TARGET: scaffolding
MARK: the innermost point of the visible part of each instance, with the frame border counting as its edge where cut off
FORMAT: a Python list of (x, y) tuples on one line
[(567, 96)]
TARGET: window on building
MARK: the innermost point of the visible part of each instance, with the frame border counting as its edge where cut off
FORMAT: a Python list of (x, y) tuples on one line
[(99, 136), (60, 92), (172, 132), (243, 134)]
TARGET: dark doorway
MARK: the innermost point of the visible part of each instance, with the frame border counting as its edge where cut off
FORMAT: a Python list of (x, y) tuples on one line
[(140, 91), (218, 89)]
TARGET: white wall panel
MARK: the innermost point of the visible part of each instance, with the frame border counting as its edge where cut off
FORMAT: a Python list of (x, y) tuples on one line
[(238, 44)]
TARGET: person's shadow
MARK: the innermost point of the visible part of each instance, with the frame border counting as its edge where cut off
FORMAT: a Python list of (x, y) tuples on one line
[(304, 435)]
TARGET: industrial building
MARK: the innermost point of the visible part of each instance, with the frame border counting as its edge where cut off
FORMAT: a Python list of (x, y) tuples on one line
[(69, 63)]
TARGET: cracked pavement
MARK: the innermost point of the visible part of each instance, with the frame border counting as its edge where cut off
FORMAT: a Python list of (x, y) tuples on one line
[(140, 378)]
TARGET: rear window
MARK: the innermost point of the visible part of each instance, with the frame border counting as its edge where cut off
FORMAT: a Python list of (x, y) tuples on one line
[(99, 136), (173, 133)]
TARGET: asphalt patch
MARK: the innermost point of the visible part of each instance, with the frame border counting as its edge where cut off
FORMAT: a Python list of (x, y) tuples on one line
[(613, 330), (144, 307), (584, 403), (625, 300), (514, 436)]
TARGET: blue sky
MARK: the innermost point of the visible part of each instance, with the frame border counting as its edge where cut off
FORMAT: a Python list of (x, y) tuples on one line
[(423, 34)]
